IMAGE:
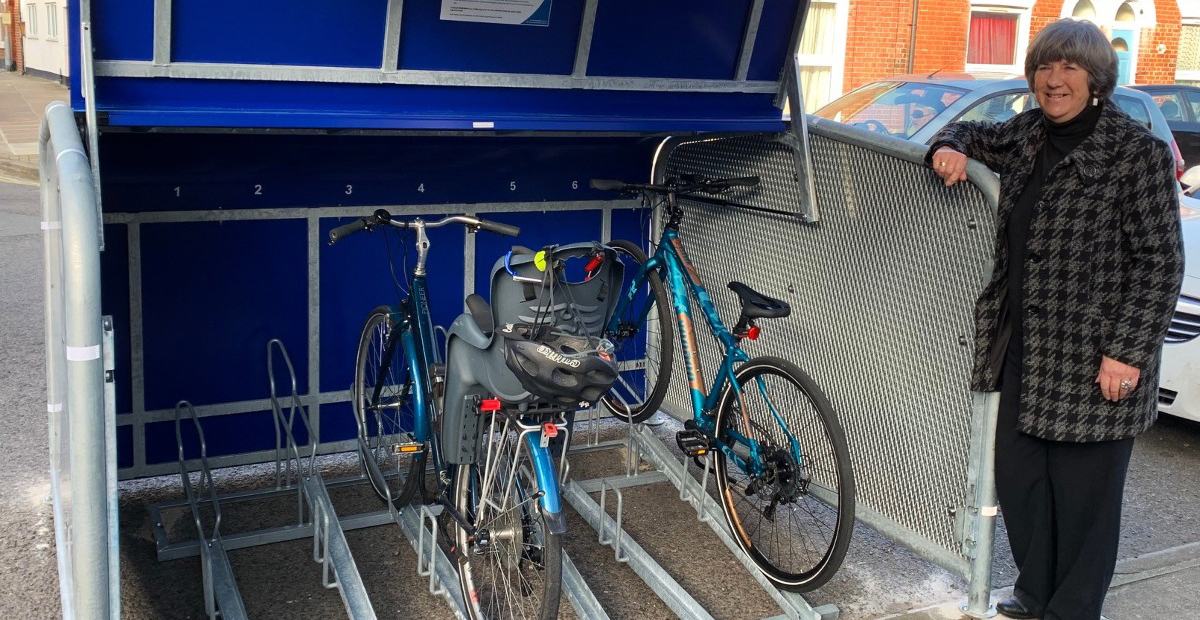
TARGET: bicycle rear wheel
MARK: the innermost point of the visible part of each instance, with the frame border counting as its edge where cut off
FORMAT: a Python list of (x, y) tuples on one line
[(384, 409), (643, 342), (512, 567), (795, 517)]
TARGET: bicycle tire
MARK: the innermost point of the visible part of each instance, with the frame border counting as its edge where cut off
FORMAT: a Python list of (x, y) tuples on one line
[(818, 488), (626, 399), (512, 576), (383, 410)]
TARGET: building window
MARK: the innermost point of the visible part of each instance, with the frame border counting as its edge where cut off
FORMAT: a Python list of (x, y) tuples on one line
[(31, 20), (993, 39), (52, 20), (822, 53), (998, 35), (1187, 69)]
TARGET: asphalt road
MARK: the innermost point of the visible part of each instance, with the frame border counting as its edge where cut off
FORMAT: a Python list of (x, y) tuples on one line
[(280, 581)]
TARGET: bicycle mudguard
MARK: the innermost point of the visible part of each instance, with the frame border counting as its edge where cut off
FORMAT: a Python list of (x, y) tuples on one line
[(543, 467)]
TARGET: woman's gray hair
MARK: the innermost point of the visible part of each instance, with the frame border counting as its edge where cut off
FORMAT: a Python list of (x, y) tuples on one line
[(1076, 41)]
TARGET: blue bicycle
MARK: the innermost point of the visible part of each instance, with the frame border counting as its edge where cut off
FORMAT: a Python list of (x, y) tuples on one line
[(782, 466), (515, 369)]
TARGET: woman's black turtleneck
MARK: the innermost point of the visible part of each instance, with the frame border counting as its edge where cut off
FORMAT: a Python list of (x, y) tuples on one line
[(1061, 139)]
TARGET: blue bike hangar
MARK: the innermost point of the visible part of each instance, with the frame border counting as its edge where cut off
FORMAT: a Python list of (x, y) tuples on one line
[(225, 156)]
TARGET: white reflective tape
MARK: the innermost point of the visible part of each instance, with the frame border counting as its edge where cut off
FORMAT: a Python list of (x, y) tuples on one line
[(83, 354), (483, 124), (54, 407), (51, 225), (65, 151), (989, 511)]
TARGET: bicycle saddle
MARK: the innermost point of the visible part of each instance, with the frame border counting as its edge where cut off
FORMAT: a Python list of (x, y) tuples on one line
[(755, 305)]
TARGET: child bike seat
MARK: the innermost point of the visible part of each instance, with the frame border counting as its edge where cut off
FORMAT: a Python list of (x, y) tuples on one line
[(755, 305)]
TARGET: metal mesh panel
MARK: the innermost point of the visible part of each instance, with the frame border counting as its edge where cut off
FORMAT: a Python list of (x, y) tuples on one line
[(882, 291)]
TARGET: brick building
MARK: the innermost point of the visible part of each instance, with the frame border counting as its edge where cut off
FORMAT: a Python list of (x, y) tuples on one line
[(849, 43)]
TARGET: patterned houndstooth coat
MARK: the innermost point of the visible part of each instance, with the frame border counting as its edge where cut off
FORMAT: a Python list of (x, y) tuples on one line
[(1103, 271)]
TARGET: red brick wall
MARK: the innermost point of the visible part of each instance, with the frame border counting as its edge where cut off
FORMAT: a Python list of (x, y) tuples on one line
[(876, 41), (942, 35), (879, 30), (1152, 67), (877, 44), (1044, 12)]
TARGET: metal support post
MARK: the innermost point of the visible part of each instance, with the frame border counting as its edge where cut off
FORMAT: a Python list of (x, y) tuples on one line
[(985, 406)]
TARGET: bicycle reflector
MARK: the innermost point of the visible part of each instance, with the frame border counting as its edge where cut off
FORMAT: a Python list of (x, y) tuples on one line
[(753, 333), (489, 404)]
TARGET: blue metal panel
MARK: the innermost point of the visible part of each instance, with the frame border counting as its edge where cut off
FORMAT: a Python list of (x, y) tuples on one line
[(355, 277), (179, 172), (631, 224), (774, 34), (124, 447), (234, 434), (670, 38), (281, 32), (215, 103), (114, 301), (537, 231), (337, 423), (124, 30), (431, 43), (214, 293)]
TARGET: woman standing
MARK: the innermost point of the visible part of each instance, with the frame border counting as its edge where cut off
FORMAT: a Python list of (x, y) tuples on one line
[(1088, 264)]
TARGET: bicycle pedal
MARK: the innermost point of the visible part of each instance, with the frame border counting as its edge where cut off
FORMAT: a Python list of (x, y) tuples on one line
[(692, 442), (408, 447)]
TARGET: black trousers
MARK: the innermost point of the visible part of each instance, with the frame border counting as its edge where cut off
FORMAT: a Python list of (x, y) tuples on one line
[(1061, 503)]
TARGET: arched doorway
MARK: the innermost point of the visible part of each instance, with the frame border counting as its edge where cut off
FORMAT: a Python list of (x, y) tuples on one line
[(1124, 40), (1124, 56), (1084, 10)]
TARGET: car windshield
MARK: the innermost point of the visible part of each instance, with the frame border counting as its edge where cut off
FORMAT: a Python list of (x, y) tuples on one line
[(899, 109)]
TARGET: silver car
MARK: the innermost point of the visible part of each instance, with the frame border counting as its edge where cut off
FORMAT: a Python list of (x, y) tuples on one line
[(915, 108)]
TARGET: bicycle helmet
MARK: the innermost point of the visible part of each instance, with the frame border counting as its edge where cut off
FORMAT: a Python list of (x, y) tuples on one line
[(567, 370)]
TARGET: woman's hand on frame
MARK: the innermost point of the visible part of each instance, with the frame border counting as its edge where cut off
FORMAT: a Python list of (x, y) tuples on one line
[(950, 165), (1116, 379)]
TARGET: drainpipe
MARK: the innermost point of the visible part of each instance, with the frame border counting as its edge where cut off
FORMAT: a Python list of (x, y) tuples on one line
[(7, 40), (912, 37)]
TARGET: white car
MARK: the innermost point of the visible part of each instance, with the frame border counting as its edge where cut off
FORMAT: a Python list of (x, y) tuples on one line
[(1179, 386)]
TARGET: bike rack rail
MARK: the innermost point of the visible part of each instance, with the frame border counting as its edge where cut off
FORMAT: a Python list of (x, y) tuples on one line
[(221, 593), (641, 444), (296, 473)]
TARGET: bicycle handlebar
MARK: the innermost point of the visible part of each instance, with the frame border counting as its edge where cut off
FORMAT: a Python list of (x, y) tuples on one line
[(677, 186), (382, 218)]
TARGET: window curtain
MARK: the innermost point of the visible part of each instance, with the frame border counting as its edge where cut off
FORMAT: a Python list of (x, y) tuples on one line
[(817, 55), (993, 39)]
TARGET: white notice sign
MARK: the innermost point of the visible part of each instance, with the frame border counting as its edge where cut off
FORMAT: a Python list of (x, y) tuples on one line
[(521, 12)]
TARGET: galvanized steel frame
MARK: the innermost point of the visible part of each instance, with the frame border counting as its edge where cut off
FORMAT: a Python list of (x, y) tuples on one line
[(139, 416), (75, 374)]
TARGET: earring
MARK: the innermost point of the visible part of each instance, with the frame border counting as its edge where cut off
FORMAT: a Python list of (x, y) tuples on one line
[(1095, 101)]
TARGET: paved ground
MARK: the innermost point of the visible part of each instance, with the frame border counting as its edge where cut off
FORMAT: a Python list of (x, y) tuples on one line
[(1158, 576), (22, 100)]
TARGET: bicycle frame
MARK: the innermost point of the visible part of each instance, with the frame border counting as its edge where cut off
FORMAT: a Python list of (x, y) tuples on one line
[(672, 262)]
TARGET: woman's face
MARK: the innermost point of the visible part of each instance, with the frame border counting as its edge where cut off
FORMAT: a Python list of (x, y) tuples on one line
[(1061, 88)]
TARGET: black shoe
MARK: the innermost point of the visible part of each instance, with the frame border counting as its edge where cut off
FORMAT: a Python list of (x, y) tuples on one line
[(1014, 608)]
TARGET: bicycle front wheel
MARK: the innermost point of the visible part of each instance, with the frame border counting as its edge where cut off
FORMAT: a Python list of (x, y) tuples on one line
[(512, 566), (384, 409), (790, 503), (643, 342)]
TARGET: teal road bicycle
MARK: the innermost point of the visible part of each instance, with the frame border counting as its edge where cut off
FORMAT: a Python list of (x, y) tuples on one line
[(781, 464)]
